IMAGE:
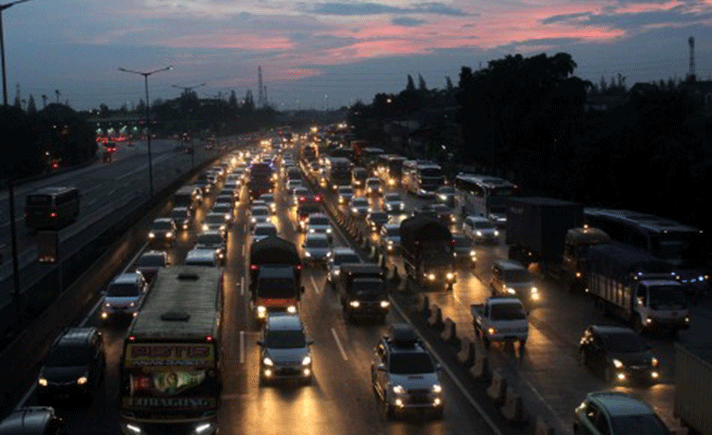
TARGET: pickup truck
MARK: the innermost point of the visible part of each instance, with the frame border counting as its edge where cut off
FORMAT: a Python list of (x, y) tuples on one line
[(500, 319)]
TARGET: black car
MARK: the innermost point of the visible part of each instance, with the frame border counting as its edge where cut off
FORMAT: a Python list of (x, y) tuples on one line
[(74, 366), (33, 420), (376, 219), (464, 250), (619, 354)]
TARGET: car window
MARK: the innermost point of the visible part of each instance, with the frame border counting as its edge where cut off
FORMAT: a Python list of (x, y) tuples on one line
[(152, 261), (285, 339), (623, 342), (317, 242), (411, 363), (601, 424), (648, 424), (68, 356), (162, 225), (122, 290)]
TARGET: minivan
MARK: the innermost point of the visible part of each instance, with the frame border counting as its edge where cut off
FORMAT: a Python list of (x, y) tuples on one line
[(511, 278), (124, 296)]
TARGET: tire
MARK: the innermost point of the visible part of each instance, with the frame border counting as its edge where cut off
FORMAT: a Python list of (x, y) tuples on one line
[(388, 409)]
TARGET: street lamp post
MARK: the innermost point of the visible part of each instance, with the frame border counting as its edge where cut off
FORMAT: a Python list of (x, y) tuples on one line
[(10, 180), (148, 120)]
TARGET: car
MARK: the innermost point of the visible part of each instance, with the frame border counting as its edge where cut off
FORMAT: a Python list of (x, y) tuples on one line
[(150, 262), (285, 352), (227, 197), (464, 250), (124, 296), (202, 257), (339, 256), (182, 217), (270, 202), (316, 248), (616, 413), (393, 203), (404, 375), (446, 195), (440, 211), (299, 192), (376, 219), (359, 176), (374, 186), (314, 167), (359, 207), (480, 229), (262, 231), (225, 209), (204, 185), (33, 420), (74, 366), (215, 221), (389, 238), (318, 223), (212, 239), (618, 354), (162, 231), (293, 184), (511, 278), (259, 214), (345, 194)]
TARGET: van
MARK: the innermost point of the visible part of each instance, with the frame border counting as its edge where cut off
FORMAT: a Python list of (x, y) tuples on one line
[(124, 296), (33, 420), (52, 207), (511, 278)]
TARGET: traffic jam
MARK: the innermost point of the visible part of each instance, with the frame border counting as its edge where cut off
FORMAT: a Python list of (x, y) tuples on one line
[(278, 290)]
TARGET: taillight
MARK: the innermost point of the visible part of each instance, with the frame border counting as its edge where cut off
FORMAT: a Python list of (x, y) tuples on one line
[(53, 214), (254, 267), (209, 338)]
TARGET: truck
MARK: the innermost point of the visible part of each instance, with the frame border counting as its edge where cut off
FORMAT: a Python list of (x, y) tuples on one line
[(636, 287), (261, 180), (170, 365), (188, 197), (337, 172), (362, 291), (500, 319), (427, 248), (693, 377), (549, 232), (275, 277)]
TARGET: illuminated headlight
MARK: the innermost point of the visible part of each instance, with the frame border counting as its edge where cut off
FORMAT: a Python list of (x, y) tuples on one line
[(385, 304), (132, 304), (479, 233), (328, 254), (169, 235), (391, 182), (431, 276), (437, 388), (687, 319), (398, 389), (306, 361), (104, 315), (205, 227), (336, 272), (654, 375), (151, 235), (355, 304), (82, 380), (261, 312), (307, 254), (535, 290), (452, 218), (42, 382), (341, 200), (227, 216), (223, 227), (134, 429), (291, 309), (370, 209), (442, 197), (578, 274), (253, 220), (311, 230), (473, 253), (450, 276), (491, 331), (496, 233), (511, 291), (621, 376), (267, 361), (328, 231), (185, 225), (654, 362), (354, 210), (617, 363), (648, 320)]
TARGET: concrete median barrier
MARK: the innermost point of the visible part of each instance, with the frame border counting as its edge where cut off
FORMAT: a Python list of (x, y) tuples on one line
[(513, 409), (542, 427), (449, 332), (466, 355), (435, 320), (424, 305), (481, 367), (498, 388)]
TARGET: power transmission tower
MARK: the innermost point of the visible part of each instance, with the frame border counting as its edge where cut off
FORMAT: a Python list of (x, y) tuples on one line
[(260, 90)]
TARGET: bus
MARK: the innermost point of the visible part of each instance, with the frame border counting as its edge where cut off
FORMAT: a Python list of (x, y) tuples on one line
[(422, 177), (52, 207), (390, 169), (337, 172), (170, 367), (483, 195), (681, 246)]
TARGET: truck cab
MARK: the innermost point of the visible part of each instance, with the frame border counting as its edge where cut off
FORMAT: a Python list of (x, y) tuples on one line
[(362, 291), (575, 258), (660, 304), (276, 290), (510, 278)]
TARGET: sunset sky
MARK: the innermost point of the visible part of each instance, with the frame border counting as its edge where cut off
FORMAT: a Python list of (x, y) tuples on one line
[(330, 53)]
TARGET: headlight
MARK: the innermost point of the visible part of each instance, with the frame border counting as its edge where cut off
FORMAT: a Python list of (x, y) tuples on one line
[(355, 304), (479, 233), (132, 304), (311, 230), (151, 235), (134, 429), (307, 254), (654, 362), (328, 254), (83, 380), (496, 233), (169, 234), (437, 388), (535, 290), (617, 363), (306, 361), (227, 216), (385, 304), (442, 197), (336, 272), (491, 331), (42, 382), (354, 210), (431, 276), (473, 253), (450, 275), (261, 309), (511, 291), (253, 220), (205, 227), (268, 362), (390, 243), (398, 389), (328, 231), (291, 309)]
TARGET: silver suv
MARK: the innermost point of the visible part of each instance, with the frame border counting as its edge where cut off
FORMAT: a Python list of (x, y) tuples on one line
[(404, 375), (285, 349)]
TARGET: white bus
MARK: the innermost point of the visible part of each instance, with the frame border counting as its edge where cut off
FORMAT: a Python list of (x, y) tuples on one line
[(483, 195), (422, 177)]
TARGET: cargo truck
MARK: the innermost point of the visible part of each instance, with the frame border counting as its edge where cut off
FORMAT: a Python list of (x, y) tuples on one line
[(548, 232), (427, 248), (636, 287), (362, 291), (693, 377)]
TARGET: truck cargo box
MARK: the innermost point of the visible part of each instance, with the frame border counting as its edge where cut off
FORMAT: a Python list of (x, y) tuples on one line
[(422, 228), (274, 250), (693, 383)]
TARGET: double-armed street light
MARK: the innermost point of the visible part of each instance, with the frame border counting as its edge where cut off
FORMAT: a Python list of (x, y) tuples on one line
[(148, 120)]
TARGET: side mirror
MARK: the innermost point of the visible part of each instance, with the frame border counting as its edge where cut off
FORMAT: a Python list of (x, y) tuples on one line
[(260, 343), (310, 342)]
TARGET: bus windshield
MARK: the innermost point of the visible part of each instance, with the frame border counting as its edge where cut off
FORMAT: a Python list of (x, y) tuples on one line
[(685, 247)]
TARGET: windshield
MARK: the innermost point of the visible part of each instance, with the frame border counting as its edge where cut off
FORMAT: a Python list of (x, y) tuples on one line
[(667, 296), (648, 424), (360, 202), (122, 290), (393, 232), (210, 239), (346, 258), (163, 225), (152, 261), (507, 312), (317, 242), (281, 288), (179, 214), (285, 339), (370, 285), (260, 212), (68, 356), (411, 363), (222, 208), (462, 242), (484, 226), (267, 198), (266, 231), (392, 197), (518, 275), (430, 172), (373, 182), (623, 342), (215, 218), (345, 191), (379, 217), (318, 221), (446, 190), (38, 200)]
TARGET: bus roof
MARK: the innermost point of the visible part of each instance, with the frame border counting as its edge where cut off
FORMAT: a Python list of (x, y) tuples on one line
[(648, 222), (191, 292)]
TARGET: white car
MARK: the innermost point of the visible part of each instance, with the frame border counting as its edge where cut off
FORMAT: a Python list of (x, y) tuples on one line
[(340, 256), (215, 221), (393, 203), (345, 194), (359, 207), (318, 223), (262, 231), (293, 184), (124, 296), (479, 229)]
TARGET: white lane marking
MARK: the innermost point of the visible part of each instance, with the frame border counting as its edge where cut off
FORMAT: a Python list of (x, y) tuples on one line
[(459, 385), (244, 247), (242, 347), (316, 287), (341, 349), (242, 286), (91, 202)]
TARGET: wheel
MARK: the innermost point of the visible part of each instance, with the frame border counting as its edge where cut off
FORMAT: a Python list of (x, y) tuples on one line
[(582, 360)]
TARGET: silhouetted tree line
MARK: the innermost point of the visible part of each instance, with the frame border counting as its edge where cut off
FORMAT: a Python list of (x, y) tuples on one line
[(33, 139), (526, 119)]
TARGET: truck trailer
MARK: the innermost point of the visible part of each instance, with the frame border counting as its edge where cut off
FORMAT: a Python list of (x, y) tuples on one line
[(693, 378), (428, 251)]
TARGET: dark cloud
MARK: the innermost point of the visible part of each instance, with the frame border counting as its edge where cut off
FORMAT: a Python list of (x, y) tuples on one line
[(350, 9), (632, 20), (407, 22), (548, 41), (564, 17)]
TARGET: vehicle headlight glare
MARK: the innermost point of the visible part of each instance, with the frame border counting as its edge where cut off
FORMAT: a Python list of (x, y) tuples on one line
[(617, 363), (398, 389), (306, 361), (385, 304), (151, 235), (355, 304), (437, 388), (82, 380), (654, 362), (291, 309), (267, 361), (42, 382)]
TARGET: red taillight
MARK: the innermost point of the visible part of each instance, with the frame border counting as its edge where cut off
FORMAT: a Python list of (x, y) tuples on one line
[(318, 198), (132, 338), (254, 267), (298, 267), (53, 214), (302, 198), (209, 338), (452, 242)]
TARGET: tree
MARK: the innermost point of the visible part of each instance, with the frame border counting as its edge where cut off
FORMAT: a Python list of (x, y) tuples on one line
[(141, 107), (249, 104), (103, 110), (18, 99), (448, 85), (410, 85), (422, 87), (232, 101), (31, 106)]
